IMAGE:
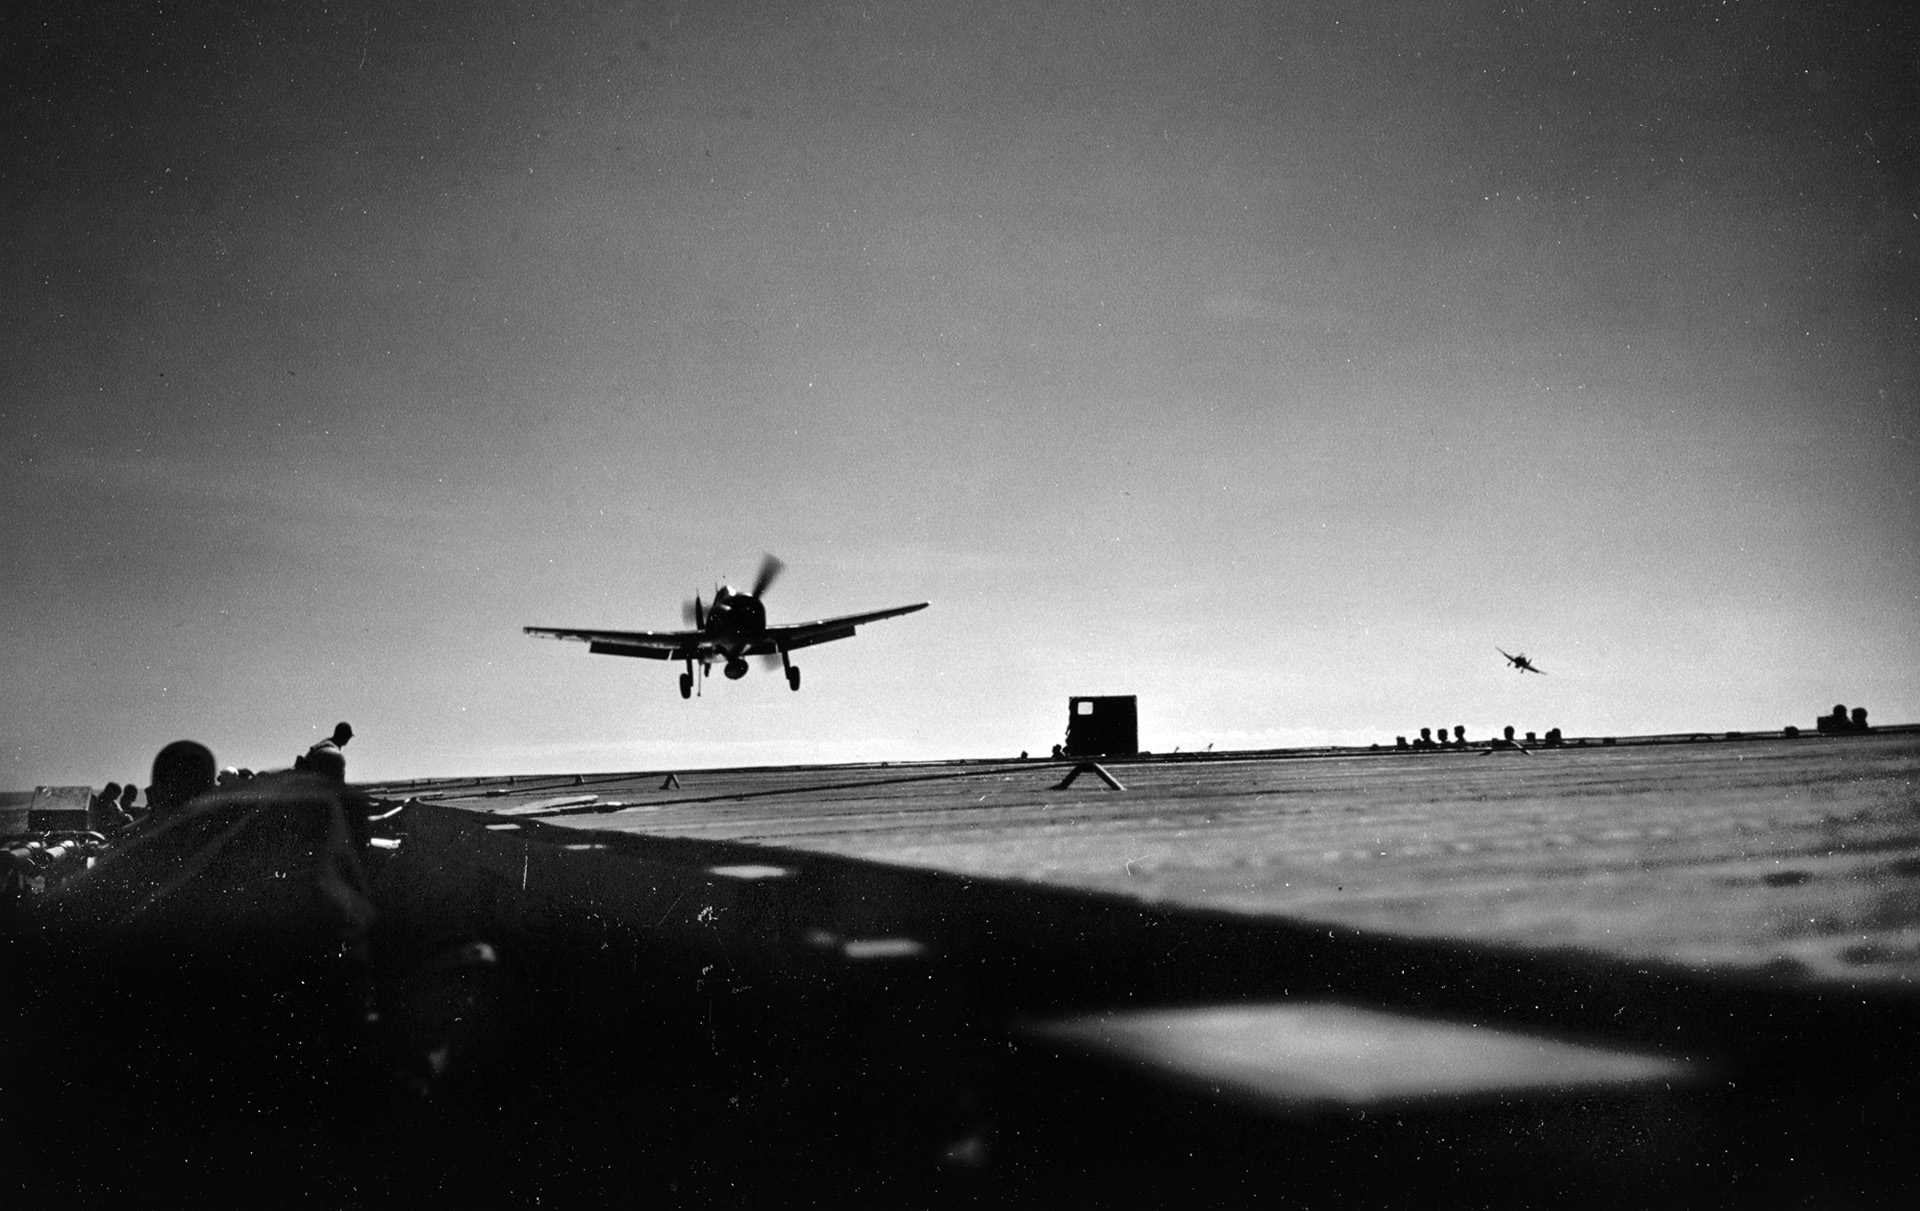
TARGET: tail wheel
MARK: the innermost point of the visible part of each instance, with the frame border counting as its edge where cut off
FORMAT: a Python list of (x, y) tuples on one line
[(793, 677)]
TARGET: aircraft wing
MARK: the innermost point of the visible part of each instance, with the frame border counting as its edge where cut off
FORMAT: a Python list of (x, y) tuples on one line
[(793, 635), (650, 645)]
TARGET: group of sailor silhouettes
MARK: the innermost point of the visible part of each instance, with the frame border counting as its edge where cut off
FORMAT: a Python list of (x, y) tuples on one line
[(1505, 742), (185, 770)]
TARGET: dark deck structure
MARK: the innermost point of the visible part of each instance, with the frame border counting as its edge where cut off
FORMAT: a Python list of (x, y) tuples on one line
[(1107, 726), (1676, 974)]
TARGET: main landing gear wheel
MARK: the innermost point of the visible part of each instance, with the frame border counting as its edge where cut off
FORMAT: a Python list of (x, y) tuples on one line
[(686, 685), (793, 677)]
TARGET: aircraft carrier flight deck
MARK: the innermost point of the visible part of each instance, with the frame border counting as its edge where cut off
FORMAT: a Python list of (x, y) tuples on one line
[(1676, 973), (1679, 972)]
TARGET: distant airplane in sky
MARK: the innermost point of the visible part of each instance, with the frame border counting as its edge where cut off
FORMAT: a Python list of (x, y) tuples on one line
[(1522, 663), (733, 628)]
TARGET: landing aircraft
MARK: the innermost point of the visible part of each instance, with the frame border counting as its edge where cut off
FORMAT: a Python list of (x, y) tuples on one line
[(733, 628), (1521, 662)]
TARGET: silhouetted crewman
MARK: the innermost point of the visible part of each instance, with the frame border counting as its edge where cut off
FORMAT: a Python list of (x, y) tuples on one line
[(1859, 717), (103, 810), (342, 732), (182, 772), (328, 763), (1506, 743)]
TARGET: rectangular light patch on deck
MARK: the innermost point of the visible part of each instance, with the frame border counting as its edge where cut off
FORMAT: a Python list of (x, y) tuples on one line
[(1330, 1055), (749, 871)]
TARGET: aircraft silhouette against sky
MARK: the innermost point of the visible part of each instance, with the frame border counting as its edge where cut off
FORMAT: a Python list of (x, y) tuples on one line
[(1521, 662), (733, 628)]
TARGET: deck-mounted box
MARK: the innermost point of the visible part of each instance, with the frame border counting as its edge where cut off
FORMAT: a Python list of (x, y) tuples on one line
[(59, 808), (1103, 727)]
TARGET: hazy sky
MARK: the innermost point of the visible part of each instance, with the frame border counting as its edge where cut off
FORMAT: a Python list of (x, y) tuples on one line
[(1273, 362)]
